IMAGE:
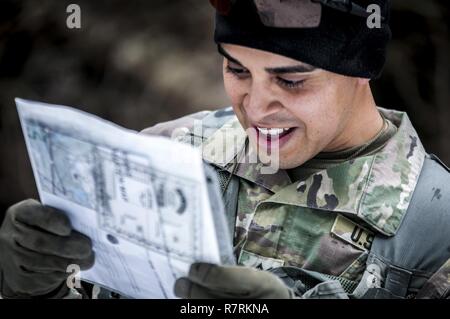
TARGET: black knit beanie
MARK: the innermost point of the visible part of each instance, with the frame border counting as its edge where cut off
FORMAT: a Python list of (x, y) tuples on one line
[(342, 43)]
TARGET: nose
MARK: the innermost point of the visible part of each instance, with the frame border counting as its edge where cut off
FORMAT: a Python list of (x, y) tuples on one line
[(260, 101)]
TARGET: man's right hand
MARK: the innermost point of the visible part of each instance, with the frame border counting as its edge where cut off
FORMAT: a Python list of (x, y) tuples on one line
[(37, 244)]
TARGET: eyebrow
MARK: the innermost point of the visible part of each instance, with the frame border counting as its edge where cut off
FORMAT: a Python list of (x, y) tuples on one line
[(300, 68), (291, 69)]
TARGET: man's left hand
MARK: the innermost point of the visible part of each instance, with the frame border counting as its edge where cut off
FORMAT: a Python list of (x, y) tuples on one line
[(208, 281)]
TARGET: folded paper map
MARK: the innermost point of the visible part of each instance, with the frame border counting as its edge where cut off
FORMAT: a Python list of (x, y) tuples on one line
[(144, 201)]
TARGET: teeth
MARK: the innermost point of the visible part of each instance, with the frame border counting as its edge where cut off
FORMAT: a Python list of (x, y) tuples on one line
[(272, 131)]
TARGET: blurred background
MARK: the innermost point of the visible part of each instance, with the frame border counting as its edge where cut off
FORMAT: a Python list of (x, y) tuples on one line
[(139, 62)]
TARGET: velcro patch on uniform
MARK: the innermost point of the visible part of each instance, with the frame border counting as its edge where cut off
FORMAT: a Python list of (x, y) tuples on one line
[(256, 261), (352, 233)]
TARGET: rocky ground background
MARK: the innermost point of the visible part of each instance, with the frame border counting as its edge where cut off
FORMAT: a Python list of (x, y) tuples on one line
[(139, 62)]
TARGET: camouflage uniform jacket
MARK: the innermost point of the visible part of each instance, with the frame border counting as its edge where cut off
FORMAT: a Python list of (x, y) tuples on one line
[(325, 223)]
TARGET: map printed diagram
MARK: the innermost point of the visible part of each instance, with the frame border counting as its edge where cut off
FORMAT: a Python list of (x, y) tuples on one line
[(143, 201), (152, 217)]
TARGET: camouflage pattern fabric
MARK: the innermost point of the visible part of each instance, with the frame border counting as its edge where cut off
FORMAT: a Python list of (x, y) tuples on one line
[(326, 222)]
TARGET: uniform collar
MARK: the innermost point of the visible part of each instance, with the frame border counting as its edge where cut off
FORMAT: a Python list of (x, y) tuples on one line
[(376, 189)]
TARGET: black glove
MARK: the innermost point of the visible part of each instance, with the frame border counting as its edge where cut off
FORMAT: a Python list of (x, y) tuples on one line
[(37, 244), (209, 281)]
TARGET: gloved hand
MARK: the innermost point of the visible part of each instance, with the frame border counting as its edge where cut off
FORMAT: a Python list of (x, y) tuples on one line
[(213, 281), (37, 244)]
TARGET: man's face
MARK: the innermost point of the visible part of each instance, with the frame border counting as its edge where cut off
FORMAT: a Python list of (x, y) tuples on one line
[(313, 106)]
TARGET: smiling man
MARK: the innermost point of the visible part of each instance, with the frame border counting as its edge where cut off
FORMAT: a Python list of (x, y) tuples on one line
[(353, 192), (351, 210), (306, 110)]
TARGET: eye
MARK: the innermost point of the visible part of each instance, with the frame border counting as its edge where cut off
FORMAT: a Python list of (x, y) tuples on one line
[(290, 84), (239, 72)]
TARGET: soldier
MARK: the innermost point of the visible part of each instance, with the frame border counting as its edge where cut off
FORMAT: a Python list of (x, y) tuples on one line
[(356, 207)]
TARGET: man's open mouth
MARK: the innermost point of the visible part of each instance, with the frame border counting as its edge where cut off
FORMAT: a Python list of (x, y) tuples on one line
[(273, 137), (272, 133)]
